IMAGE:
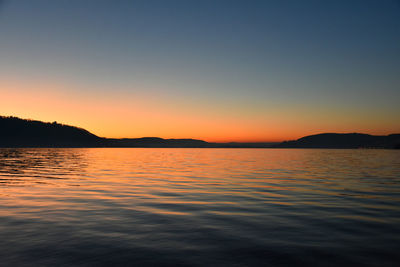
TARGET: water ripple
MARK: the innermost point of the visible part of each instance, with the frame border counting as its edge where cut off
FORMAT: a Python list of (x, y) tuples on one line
[(197, 207)]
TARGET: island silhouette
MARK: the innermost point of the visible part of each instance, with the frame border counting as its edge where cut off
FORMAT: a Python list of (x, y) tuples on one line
[(17, 132)]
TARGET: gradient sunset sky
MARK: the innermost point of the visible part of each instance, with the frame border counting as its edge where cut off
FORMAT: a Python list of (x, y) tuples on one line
[(212, 70)]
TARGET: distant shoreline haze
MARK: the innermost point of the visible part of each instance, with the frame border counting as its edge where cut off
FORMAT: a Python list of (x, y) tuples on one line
[(17, 132)]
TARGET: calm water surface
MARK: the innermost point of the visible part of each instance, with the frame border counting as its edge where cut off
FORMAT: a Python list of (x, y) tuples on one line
[(199, 207)]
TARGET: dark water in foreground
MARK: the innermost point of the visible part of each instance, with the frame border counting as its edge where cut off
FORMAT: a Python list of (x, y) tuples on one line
[(199, 207)]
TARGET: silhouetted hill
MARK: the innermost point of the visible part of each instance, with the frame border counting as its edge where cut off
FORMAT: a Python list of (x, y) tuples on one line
[(16, 132), (348, 140), (155, 142)]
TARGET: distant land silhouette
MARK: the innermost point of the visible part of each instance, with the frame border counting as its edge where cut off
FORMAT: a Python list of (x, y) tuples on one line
[(16, 132), (347, 140)]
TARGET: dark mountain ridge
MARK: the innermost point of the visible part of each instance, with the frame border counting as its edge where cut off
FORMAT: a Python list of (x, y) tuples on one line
[(16, 132), (155, 142), (344, 140)]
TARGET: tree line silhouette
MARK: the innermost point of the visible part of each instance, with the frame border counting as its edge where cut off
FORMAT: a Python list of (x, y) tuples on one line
[(17, 132)]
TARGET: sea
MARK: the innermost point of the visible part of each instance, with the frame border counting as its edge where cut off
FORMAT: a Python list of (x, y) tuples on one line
[(199, 207)]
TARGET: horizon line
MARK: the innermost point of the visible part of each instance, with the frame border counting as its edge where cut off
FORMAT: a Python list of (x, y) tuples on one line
[(174, 138)]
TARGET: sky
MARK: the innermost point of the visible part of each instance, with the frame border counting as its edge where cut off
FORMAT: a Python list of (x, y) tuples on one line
[(222, 71)]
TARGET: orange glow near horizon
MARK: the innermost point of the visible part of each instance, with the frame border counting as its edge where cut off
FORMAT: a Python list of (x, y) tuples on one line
[(133, 116)]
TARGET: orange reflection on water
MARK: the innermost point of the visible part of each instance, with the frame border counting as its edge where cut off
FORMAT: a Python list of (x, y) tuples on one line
[(181, 181)]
